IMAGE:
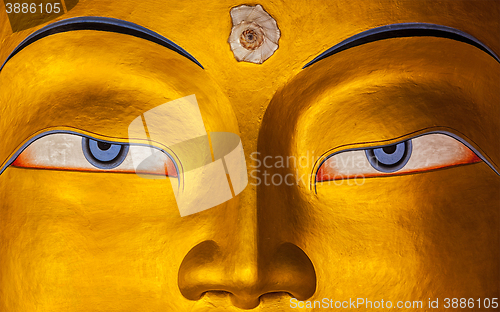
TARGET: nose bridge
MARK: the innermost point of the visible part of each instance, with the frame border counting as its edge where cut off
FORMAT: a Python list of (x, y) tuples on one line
[(236, 234), (242, 246), (240, 252), (239, 231)]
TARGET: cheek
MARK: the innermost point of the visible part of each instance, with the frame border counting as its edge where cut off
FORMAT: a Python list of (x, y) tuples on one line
[(367, 230), (462, 228), (78, 240), (408, 237)]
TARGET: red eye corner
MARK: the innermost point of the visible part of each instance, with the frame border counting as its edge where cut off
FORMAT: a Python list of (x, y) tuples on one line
[(167, 168)]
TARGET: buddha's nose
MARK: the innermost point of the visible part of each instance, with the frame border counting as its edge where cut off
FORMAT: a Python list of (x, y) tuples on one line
[(245, 262)]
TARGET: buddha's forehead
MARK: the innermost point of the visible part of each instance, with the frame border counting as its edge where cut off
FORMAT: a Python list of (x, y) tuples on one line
[(307, 29)]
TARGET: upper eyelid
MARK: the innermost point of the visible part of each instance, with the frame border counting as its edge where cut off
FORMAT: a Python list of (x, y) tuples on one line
[(21, 149)]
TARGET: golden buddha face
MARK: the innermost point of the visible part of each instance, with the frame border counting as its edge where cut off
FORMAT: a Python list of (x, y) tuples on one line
[(372, 171)]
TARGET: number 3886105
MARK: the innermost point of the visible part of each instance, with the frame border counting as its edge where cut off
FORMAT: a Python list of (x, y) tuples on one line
[(33, 8), (462, 303)]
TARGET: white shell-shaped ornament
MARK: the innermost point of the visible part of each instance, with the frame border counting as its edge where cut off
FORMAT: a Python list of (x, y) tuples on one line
[(255, 34)]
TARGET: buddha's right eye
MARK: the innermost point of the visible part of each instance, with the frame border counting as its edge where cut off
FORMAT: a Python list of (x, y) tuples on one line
[(420, 154), (63, 151)]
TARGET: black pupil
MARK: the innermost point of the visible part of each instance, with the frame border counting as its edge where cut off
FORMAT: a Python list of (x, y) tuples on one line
[(250, 37), (389, 149), (103, 145)]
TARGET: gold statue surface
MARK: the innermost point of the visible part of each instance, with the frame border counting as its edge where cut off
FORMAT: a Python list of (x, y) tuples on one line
[(364, 144)]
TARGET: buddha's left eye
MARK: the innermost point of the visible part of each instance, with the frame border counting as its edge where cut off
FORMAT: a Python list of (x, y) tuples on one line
[(423, 153), (64, 151)]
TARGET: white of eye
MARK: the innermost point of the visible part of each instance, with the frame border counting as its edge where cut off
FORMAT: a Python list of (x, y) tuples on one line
[(64, 151), (429, 151)]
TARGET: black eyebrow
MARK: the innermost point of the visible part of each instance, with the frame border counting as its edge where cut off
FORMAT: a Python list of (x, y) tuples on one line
[(404, 30), (100, 24)]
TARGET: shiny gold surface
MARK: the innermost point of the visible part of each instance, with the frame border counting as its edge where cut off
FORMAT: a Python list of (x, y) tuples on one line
[(76, 241)]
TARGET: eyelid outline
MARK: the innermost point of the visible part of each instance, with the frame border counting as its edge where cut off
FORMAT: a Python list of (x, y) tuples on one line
[(412, 135), (50, 132)]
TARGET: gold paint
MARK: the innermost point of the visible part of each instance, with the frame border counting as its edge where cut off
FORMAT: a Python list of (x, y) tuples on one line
[(75, 241)]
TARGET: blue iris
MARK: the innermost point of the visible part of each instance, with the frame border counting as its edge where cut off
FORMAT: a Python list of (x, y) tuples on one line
[(104, 155), (390, 158)]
